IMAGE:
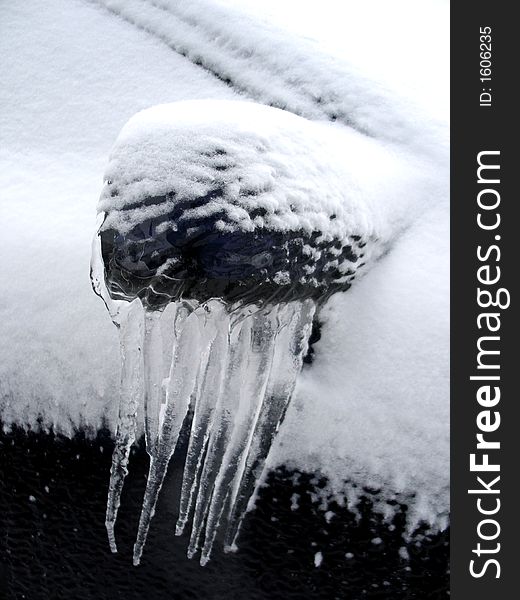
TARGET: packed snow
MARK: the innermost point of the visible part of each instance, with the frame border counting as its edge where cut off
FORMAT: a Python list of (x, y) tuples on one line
[(372, 410)]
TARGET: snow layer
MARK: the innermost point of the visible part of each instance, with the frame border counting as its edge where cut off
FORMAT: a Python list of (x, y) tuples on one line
[(374, 406), (403, 45), (300, 172), (383, 365), (259, 59), (72, 77)]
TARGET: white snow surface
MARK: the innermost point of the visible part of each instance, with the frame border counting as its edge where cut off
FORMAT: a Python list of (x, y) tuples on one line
[(291, 72), (375, 402), (373, 408), (73, 75), (403, 45), (299, 171)]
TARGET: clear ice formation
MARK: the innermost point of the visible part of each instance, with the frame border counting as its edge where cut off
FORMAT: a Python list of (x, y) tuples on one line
[(218, 239), (236, 366)]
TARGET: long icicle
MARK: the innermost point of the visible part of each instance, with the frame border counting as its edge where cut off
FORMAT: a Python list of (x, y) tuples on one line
[(130, 338), (154, 394), (183, 374), (240, 385), (239, 342), (216, 330), (254, 375), (295, 322)]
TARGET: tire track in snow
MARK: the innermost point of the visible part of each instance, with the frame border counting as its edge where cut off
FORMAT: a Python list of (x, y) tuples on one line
[(267, 65)]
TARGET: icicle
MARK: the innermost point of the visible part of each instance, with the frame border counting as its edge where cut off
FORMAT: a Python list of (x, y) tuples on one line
[(216, 332), (131, 335), (237, 363), (294, 328), (253, 373), (128, 318), (239, 340), (171, 415), (154, 395)]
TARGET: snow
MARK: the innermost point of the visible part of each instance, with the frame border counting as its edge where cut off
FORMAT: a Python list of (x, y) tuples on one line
[(306, 176), (329, 515), (292, 73), (413, 63), (403, 553), (73, 77), (392, 385), (373, 408), (295, 501)]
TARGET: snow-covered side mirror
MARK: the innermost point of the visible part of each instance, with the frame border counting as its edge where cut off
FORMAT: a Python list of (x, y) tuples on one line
[(229, 200), (223, 226)]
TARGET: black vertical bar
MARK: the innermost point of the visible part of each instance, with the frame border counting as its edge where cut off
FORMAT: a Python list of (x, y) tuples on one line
[(480, 124)]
